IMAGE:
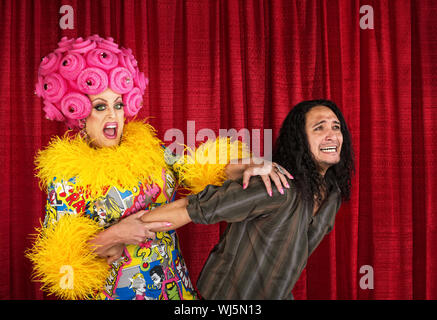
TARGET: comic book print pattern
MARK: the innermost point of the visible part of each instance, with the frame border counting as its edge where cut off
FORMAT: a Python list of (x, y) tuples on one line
[(155, 270)]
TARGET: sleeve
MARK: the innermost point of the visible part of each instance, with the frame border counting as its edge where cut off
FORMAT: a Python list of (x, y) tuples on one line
[(206, 165), (230, 203), (323, 223), (62, 259)]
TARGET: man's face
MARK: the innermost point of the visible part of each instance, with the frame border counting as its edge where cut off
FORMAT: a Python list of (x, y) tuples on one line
[(324, 136)]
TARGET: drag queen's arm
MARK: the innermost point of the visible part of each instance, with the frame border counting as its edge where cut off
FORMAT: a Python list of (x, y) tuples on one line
[(214, 162), (267, 170)]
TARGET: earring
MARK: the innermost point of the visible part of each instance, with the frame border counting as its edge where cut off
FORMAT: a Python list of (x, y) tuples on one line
[(82, 125)]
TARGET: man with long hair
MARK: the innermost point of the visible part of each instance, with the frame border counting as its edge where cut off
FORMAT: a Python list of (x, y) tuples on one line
[(316, 165), (268, 240)]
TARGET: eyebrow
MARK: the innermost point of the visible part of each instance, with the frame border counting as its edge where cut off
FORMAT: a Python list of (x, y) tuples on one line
[(105, 100), (323, 121)]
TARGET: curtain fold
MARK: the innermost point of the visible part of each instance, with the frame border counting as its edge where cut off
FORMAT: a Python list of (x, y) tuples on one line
[(243, 65)]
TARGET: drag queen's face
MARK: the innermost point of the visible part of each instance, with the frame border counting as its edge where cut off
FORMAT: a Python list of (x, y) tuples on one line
[(104, 126)]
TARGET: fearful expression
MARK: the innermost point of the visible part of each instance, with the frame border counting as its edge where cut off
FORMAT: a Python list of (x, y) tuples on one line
[(324, 135), (105, 123)]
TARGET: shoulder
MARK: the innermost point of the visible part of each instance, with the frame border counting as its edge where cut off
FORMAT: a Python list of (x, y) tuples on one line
[(257, 190)]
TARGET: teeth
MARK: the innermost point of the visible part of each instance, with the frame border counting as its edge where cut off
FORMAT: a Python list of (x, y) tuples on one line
[(110, 127), (329, 149)]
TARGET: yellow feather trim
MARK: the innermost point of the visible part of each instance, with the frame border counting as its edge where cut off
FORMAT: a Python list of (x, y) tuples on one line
[(63, 260), (139, 157), (208, 163)]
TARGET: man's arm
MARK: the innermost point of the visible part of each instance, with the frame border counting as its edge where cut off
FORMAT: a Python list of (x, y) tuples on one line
[(230, 203)]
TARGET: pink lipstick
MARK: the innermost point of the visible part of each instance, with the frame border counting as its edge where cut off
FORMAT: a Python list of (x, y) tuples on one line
[(110, 130)]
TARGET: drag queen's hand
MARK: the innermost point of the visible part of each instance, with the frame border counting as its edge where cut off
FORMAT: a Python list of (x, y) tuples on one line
[(269, 171), (132, 230), (114, 253)]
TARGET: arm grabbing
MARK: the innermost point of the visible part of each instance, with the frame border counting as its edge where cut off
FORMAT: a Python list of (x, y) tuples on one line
[(174, 213), (267, 170), (109, 244)]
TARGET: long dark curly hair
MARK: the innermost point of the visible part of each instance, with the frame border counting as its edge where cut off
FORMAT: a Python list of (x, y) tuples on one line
[(292, 151)]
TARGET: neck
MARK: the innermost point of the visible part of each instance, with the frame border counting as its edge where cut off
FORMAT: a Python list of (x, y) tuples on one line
[(322, 169)]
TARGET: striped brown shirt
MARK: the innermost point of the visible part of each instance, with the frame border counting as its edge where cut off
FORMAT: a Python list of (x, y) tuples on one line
[(267, 241)]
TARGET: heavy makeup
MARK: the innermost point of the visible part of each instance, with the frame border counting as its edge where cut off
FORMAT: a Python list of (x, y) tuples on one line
[(104, 125)]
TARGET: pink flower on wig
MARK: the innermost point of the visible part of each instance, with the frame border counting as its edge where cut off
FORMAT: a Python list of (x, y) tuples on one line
[(128, 53), (102, 58), (83, 46), (92, 81), (71, 65), (126, 63), (141, 80), (49, 63), (39, 91), (76, 106), (54, 87), (95, 37), (133, 102), (120, 80), (64, 45), (109, 44), (52, 113)]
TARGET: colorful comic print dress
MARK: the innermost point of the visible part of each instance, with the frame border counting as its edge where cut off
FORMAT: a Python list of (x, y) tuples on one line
[(154, 270)]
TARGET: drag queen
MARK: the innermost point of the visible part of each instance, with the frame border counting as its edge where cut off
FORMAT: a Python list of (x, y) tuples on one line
[(92, 243)]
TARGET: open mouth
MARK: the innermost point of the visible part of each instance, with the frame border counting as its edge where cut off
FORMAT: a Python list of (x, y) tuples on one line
[(331, 149), (110, 130)]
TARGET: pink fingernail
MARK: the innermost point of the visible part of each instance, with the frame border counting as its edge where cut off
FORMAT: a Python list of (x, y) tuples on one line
[(270, 193), (281, 191), (168, 224), (287, 185), (244, 186)]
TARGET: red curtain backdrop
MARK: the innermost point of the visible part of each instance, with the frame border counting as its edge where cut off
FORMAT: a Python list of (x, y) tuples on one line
[(244, 64)]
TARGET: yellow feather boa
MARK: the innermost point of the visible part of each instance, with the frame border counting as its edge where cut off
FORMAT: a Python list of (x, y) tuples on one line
[(63, 260), (139, 157), (207, 164)]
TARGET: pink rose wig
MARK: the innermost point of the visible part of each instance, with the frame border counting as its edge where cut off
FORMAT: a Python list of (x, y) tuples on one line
[(80, 67)]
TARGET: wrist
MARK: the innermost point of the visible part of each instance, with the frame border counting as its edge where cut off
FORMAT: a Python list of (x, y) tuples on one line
[(113, 235), (235, 170), (105, 240)]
